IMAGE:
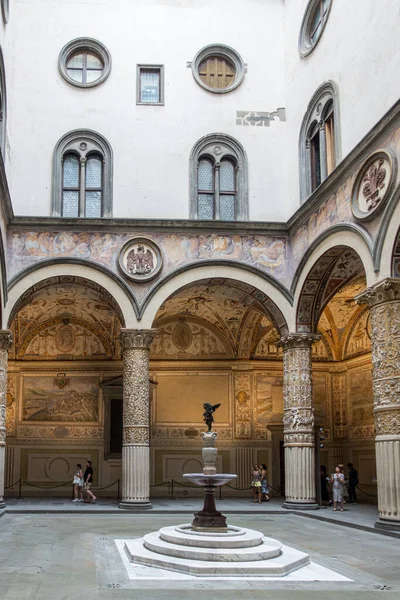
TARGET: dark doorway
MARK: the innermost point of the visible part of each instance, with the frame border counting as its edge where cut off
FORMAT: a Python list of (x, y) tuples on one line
[(116, 426)]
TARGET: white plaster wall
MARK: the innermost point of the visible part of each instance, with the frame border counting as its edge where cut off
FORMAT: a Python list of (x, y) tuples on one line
[(359, 51), (151, 144)]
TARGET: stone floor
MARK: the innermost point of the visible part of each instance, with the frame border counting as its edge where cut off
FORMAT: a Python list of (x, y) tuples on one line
[(69, 556)]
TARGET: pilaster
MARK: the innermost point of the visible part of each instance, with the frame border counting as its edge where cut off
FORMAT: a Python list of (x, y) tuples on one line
[(5, 345)]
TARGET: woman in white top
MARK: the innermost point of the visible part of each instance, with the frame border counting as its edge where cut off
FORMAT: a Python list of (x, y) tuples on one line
[(78, 482), (337, 481)]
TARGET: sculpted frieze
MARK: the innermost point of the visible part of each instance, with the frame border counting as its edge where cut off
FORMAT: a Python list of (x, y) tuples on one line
[(387, 422), (135, 435), (298, 419)]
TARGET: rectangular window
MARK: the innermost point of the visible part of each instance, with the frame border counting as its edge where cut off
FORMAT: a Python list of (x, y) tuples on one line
[(150, 84)]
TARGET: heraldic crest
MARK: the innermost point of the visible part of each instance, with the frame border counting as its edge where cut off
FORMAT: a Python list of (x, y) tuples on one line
[(140, 259)]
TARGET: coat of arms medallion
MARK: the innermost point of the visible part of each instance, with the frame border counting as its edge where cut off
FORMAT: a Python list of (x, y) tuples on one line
[(140, 259)]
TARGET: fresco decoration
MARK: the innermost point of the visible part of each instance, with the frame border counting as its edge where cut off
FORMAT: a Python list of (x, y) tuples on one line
[(62, 432), (227, 304), (361, 400), (359, 337), (11, 404), (321, 397), (372, 186), (140, 259), (267, 253), (321, 349), (268, 408), (249, 327), (187, 340), (44, 401), (264, 344), (243, 393), (334, 269), (66, 319), (339, 405)]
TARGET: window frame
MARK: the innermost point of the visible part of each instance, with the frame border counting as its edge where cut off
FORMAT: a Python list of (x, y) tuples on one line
[(222, 51), (216, 148), (149, 68), (323, 107), (306, 44), (84, 143), (84, 45), (5, 9), (3, 106)]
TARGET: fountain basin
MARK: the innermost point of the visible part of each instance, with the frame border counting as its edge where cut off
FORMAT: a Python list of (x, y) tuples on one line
[(210, 480)]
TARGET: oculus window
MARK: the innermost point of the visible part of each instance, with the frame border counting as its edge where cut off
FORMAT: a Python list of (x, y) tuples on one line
[(84, 62), (314, 21), (150, 84), (218, 68), (5, 8)]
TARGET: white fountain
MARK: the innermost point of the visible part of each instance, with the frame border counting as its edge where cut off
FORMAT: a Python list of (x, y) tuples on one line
[(209, 547)]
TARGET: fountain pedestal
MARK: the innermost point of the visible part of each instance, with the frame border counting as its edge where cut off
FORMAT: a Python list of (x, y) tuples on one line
[(209, 518)]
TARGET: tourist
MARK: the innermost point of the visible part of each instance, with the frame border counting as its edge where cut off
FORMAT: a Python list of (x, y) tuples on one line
[(78, 482), (264, 483), (337, 480), (88, 496), (353, 482), (256, 483)]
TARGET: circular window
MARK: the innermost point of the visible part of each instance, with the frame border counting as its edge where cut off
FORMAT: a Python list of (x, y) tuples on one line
[(84, 62), (5, 10), (218, 69), (313, 24)]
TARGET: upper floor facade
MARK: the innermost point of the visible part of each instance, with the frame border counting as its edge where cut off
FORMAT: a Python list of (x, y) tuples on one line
[(187, 109)]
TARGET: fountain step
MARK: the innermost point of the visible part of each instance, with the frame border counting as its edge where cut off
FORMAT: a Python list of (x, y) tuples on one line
[(289, 560), (269, 548), (235, 537)]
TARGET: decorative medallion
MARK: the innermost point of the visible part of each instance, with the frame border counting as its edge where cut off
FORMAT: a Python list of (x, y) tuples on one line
[(373, 185), (140, 259), (182, 335), (65, 339), (61, 380), (9, 400)]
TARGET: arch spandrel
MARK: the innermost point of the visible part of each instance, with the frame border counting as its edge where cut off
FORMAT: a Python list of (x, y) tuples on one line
[(42, 276)]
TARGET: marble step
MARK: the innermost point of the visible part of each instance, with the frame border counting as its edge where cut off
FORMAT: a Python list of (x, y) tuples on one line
[(269, 548), (288, 561), (235, 537)]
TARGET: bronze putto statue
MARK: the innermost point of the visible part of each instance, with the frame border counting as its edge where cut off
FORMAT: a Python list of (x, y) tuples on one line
[(209, 409)]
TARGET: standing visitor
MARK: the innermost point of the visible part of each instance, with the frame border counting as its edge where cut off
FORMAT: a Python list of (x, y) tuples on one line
[(264, 483), (87, 483), (256, 483), (337, 480), (353, 483), (78, 482)]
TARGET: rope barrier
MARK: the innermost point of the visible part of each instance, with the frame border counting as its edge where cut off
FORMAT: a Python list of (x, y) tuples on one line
[(9, 487), (366, 493)]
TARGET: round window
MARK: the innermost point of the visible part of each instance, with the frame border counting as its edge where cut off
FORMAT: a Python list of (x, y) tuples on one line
[(84, 62), (314, 21), (218, 69)]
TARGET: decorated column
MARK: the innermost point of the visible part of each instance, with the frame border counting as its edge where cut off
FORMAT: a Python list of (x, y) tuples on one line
[(135, 344), (384, 302), (298, 421), (5, 344)]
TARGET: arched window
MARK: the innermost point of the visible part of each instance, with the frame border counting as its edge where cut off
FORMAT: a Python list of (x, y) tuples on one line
[(82, 179), (218, 179), (3, 105), (319, 139)]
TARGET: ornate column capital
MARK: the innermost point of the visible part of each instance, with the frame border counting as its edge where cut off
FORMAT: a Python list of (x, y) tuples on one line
[(298, 340), (387, 290), (6, 339), (136, 338)]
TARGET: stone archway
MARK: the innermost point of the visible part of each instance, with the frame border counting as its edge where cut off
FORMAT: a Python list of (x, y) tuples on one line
[(65, 330)]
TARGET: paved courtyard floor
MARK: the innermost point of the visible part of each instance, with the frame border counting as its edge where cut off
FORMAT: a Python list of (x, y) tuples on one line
[(70, 556)]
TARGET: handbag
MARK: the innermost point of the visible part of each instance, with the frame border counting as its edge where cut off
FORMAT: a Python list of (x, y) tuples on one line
[(77, 480)]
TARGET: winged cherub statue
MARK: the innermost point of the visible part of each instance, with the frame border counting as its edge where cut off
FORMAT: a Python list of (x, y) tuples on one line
[(208, 418)]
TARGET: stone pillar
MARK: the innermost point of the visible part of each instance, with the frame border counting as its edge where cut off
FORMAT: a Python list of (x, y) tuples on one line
[(5, 345), (298, 422), (135, 344), (383, 300)]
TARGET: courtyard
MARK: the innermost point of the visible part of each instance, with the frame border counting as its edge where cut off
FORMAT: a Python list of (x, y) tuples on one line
[(73, 555)]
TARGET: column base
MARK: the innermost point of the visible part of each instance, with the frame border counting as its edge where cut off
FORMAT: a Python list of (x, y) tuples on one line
[(2, 504), (135, 506), (292, 505), (388, 524)]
